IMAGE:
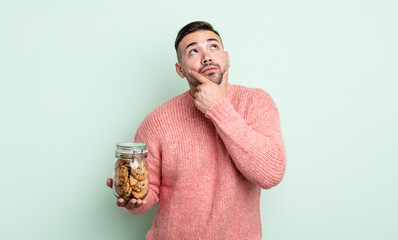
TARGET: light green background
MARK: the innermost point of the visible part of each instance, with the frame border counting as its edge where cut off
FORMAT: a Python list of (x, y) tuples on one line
[(79, 76)]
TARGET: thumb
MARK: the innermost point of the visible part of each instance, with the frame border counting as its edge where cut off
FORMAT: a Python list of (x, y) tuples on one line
[(109, 182), (224, 79)]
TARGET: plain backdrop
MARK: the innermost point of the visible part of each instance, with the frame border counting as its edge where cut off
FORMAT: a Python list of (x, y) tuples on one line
[(78, 76)]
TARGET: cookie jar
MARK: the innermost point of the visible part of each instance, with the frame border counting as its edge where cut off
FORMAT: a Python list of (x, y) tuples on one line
[(130, 173)]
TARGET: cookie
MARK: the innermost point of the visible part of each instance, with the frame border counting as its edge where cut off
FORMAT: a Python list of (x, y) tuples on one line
[(140, 195), (127, 194), (118, 190), (122, 171), (138, 186), (124, 190), (120, 180), (134, 183), (140, 173)]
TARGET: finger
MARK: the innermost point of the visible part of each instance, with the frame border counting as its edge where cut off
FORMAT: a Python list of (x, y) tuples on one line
[(120, 202), (131, 203), (202, 79), (197, 103), (139, 202), (109, 182), (224, 80)]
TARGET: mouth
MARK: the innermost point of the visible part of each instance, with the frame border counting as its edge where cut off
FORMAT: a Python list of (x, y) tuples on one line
[(208, 70)]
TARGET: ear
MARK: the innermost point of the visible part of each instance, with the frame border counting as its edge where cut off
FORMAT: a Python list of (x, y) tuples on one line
[(227, 56), (179, 70)]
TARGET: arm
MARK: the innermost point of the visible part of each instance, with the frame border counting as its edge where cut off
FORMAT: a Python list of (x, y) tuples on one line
[(256, 145), (154, 166)]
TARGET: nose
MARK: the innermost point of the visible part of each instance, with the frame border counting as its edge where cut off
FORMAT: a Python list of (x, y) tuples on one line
[(207, 60)]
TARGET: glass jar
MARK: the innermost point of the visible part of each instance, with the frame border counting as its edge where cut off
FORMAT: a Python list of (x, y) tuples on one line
[(130, 173)]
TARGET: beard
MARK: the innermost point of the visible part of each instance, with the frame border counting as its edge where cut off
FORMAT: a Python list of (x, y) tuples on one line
[(215, 77)]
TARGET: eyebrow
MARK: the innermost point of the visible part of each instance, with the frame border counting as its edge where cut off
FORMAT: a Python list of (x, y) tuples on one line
[(194, 43)]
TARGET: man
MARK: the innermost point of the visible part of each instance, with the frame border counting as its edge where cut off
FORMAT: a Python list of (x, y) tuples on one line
[(211, 149)]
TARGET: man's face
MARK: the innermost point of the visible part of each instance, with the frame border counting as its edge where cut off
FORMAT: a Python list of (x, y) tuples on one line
[(203, 52)]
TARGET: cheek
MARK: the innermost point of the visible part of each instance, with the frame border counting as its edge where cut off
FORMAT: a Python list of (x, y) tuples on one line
[(221, 59), (192, 63), (223, 63)]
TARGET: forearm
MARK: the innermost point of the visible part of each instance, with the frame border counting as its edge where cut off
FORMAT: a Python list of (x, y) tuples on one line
[(154, 166), (257, 149)]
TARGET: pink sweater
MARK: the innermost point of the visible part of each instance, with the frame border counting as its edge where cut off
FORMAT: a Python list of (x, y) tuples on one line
[(207, 170)]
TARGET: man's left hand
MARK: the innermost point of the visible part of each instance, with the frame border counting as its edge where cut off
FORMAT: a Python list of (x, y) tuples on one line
[(208, 91)]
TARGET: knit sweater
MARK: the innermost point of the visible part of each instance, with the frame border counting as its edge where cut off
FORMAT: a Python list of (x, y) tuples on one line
[(206, 171)]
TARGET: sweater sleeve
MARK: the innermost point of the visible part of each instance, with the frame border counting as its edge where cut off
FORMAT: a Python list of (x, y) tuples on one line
[(255, 145), (154, 168)]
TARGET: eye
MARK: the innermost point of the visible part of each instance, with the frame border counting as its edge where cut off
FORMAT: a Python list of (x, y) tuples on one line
[(193, 51), (214, 46)]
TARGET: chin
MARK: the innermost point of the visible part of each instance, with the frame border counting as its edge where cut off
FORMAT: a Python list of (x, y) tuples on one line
[(216, 78)]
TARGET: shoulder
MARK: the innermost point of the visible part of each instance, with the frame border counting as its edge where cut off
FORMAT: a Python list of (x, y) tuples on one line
[(155, 126), (253, 96), (162, 113), (167, 108)]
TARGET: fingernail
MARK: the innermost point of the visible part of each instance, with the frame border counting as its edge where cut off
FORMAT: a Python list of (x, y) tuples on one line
[(190, 71)]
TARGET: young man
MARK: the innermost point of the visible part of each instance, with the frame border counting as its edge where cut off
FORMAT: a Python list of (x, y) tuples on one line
[(211, 149)]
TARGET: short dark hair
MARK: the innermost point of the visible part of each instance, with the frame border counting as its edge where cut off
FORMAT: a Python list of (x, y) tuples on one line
[(193, 27)]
